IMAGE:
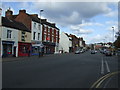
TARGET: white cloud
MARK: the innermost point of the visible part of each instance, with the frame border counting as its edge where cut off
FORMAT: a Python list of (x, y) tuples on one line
[(66, 13), (112, 14), (78, 30), (111, 22)]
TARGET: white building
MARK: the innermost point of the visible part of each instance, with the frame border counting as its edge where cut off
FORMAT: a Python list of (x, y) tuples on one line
[(65, 43), (36, 36), (9, 38)]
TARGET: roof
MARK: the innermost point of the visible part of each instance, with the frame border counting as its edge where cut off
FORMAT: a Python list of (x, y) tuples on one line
[(35, 18), (14, 24), (44, 21)]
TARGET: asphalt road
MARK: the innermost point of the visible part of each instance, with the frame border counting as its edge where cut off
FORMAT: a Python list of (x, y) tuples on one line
[(60, 71)]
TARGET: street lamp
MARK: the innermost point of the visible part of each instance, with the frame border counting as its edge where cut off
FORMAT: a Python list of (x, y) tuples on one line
[(40, 19), (41, 45), (113, 34)]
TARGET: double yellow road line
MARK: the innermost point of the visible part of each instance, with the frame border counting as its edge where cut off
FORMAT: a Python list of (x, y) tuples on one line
[(102, 79)]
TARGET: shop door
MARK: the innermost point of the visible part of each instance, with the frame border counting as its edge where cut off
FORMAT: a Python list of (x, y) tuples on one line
[(14, 52), (4, 50)]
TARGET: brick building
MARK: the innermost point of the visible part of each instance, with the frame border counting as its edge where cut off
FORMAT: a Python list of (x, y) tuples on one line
[(50, 37), (43, 33)]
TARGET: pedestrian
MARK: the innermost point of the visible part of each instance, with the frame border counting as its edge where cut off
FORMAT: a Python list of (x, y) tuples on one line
[(29, 53)]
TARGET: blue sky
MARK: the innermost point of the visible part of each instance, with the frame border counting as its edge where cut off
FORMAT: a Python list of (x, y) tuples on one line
[(91, 20)]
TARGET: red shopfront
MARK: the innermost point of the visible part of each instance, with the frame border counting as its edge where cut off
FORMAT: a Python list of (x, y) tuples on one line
[(24, 49)]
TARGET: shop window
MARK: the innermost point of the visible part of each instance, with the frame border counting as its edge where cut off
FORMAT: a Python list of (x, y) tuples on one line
[(9, 32), (35, 49), (24, 48)]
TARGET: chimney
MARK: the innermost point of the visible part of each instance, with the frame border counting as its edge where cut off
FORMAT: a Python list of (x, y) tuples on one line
[(22, 11), (9, 13)]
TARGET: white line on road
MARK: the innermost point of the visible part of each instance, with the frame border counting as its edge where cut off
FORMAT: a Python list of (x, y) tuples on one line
[(102, 66), (108, 69)]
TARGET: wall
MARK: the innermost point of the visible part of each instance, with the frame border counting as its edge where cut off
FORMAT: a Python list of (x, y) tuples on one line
[(27, 36), (64, 42), (37, 30), (13, 38)]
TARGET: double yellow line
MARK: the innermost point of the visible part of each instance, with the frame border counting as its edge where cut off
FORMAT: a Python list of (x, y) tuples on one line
[(102, 79)]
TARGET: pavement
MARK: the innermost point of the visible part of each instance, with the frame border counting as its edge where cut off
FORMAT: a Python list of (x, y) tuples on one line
[(10, 59)]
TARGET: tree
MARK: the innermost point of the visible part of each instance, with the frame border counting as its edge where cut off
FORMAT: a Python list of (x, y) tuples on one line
[(117, 42)]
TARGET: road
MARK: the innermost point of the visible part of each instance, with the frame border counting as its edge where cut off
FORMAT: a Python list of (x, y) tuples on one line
[(60, 71)]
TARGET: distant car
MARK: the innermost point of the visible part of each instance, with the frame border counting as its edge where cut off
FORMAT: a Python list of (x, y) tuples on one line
[(81, 51), (93, 52), (104, 51), (118, 52), (108, 53), (77, 52)]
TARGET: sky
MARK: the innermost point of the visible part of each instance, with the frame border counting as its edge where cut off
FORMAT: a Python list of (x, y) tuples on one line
[(91, 20)]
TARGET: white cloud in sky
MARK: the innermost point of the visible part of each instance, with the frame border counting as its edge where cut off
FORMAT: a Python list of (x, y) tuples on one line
[(107, 37), (112, 14), (79, 29), (75, 16), (63, 12)]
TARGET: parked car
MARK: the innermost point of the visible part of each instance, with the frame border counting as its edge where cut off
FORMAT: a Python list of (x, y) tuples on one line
[(104, 51), (118, 52), (77, 52), (108, 53), (93, 52), (81, 51)]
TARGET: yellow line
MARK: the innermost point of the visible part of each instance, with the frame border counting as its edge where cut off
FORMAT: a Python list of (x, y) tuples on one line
[(109, 75), (99, 81)]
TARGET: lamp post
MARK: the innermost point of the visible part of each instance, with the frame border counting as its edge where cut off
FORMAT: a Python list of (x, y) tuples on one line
[(41, 35), (113, 41), (113, 34)]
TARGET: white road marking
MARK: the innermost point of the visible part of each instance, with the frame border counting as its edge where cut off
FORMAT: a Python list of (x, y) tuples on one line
[(102, 66), (108, 69)]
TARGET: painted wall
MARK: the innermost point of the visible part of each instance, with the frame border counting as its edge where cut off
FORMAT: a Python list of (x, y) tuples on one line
[(37, 30), (27, 36), (64, 42), (14, 37)]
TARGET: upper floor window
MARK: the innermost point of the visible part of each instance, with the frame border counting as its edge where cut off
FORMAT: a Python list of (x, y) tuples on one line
[(34, 35), (48, 29), (56, 32), (48, 38), (34, 25), (52, 31), (9, 32), (38, 36), (56, 39), (39, 27), (52, 39), (44, 37), (22, 36), (45, 29)]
